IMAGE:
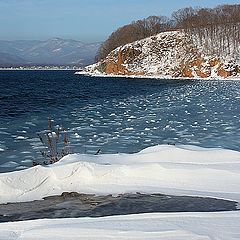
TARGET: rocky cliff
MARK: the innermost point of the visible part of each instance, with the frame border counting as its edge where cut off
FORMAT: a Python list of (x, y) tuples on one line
[(168, 55)]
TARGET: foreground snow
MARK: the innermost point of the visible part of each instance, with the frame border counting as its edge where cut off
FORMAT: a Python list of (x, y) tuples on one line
[(179, 170), (174, 226), (166, 169)]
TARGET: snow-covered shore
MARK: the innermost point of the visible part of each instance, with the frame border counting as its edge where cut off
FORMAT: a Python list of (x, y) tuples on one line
[(177, 170), (173, 226), (160, 77), (168, 55)]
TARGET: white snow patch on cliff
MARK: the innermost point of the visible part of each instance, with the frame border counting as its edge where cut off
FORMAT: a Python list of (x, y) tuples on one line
[(165, 55)]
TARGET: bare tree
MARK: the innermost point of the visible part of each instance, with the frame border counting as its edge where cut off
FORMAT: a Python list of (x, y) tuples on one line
[(55, 143), (216, 29), (135, 31)]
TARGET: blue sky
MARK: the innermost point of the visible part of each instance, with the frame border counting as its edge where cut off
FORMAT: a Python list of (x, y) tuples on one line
[(85, 20)]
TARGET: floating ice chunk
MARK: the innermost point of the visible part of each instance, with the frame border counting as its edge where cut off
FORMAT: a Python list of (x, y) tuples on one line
[(26, 161), (129, 129), (76, 135), (30, 123), (10, 164), (23, 131), (20, 138)]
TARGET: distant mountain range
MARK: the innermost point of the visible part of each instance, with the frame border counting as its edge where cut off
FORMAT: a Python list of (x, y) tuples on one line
[(55, 51)]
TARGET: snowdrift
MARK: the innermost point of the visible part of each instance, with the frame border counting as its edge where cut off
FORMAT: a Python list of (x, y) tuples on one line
[(174, 226), (179, 170)]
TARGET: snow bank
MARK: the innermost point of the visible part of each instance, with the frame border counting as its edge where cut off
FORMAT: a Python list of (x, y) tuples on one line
[(159, 77), (174, 226), (179, 170)]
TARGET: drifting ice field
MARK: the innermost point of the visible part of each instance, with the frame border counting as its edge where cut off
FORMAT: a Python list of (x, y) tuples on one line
[(116, 115), (137, 116)]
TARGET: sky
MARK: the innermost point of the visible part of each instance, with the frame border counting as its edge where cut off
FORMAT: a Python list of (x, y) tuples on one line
[(84, 20)]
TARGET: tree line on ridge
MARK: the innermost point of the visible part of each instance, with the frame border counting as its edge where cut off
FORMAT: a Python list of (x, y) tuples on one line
[(218, 27)]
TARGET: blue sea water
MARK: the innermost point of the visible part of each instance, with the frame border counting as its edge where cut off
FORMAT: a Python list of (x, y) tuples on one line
[(113, 114)]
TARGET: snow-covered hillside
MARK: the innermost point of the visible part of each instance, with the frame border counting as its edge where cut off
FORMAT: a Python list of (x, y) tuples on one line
[(168, 55), (177, 170)]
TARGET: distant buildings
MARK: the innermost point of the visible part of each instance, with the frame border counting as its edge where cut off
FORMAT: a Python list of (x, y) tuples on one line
[(42, 68)]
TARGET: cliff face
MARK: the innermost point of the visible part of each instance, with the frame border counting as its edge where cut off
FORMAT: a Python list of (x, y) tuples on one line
[(169, 54)]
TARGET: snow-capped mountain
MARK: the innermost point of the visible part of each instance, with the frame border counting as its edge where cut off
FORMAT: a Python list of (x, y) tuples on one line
[(55, 51), (168, 55), (8, 60)]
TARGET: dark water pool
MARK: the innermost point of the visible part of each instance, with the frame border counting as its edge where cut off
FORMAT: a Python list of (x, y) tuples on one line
[(72, 205)]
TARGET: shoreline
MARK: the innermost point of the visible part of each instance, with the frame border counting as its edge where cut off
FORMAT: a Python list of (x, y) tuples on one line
[(173, 170), (37, 69), (157, 77)]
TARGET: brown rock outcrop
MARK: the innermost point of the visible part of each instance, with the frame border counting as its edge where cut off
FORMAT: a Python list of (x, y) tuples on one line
[(123, 56), (167, 54), (223, 73)]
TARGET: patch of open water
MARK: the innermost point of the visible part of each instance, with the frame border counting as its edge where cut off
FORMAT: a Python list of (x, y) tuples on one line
[(72, 205), (113, 114)]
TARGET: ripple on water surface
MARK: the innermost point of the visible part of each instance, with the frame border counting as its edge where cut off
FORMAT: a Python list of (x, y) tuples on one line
[(116, 115)]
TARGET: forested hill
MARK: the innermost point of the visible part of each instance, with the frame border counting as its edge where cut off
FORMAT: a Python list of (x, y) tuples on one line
[(193, 20), (194, 42)]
